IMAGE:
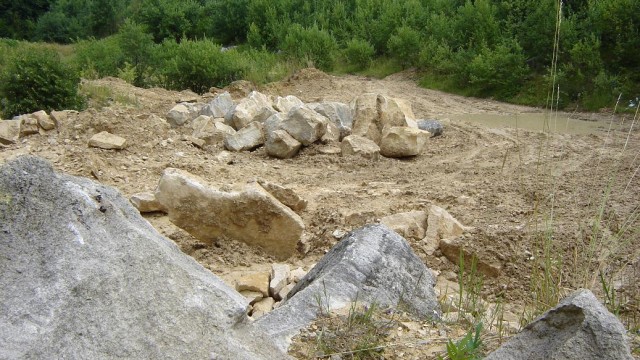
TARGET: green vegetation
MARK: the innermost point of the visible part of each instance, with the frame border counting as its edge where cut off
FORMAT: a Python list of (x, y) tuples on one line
[(38, 80), (467, 348)]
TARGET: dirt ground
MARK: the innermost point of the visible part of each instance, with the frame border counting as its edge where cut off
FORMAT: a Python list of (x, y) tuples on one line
[(508, 181)]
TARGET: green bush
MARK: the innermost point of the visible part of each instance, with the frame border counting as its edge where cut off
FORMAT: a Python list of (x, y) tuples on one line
[(404, 46), (359, 53), (38, 80), (99, 58), (312, 44), (499, 71), (199, 65)]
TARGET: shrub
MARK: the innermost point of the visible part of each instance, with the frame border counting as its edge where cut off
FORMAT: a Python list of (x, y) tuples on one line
[(312, 44), (38, 80), (404, 46), (359, 53), (199, 65), (99, 58), (500, 70)]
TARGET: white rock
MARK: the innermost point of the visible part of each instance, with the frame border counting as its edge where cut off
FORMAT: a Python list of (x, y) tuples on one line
[(282, 294), (365, 117), (179, 115), (282, 145), (279, 278), (248, 109), (296, 275), (219, 107), (337, 113), (285, 104), (398, 142), (305, 125), (248, 138), (105, 140), (331, 135), (248, 213), (212, 131), (358, 145)]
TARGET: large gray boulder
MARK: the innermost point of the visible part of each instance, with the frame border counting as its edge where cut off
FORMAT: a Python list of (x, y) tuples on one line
[(371, 264), (84, 276), (578, 328), (432, 126), (246, 213)]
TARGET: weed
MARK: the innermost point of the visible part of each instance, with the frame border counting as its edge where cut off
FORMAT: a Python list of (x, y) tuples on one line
[(467, 348)]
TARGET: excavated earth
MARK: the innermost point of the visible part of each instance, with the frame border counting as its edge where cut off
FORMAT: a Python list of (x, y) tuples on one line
[(493, 169)]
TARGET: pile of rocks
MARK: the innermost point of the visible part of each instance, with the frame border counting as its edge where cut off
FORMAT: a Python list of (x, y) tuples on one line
[(370, 126), (266, 291), (28, 124)]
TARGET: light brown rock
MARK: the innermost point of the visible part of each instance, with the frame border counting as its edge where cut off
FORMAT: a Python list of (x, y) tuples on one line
[(282, 294), (59, 117), (452, 247), (441, 225), (44, 120), (29, 125), (9, 131), (252, 296), (146, 202), (179, 115), (257, 282), (248, 214), (399, 142), (248, 108), (105, 140), (410, 225), (285, 195), (285, 104), (281, 145), (262, 307), (331, 135), (358, 145), (365, 117), (211, 131), (296, 275), (248, 138), (305, 125)]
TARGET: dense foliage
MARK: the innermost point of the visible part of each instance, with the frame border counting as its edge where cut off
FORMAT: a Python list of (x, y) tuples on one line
[(38, 80), (499, 48)]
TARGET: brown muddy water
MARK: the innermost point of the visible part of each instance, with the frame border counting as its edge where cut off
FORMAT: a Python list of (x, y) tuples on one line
[(563, 123)]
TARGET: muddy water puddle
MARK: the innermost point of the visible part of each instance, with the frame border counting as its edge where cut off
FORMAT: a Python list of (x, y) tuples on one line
[(560, 123)]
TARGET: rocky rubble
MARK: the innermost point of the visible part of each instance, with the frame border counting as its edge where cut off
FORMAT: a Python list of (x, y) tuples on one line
[(285, 125)]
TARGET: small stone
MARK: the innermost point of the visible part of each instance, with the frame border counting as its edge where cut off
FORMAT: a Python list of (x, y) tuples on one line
[(296, 275), (285, 195), (258, 282), (279, 278), (262, 307), (44, 120), (146, 202), (179, 115), (358, 145), (252, 296), (105, 140), (9, 131)]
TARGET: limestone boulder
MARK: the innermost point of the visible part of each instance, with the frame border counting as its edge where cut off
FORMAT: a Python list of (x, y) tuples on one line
[(212, 131), (44, 120), (281, 145), (248, 138), (180, 114), (410, 225), (285, 104), (371, 264), (248, 214), (272, 124), (262, 307), (578, 328), (399, 142), (304, 125), (339, 114), (60, 117), (331, 135), (361, 146), (219, 107), (108, 141), (279, 278), (248, 108), (9, 131), (366, 117), (86, 277), (146, 202), (442, 225), (257, 282)]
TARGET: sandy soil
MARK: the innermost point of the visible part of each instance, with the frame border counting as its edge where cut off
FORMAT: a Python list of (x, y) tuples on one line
[(488, 172)]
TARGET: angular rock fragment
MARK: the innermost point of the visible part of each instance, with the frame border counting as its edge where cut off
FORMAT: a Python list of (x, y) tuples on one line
[(281, 145), (258, 282), (248, 214), (219, 107), (358, 145), (399, 142), (410, 225), (248, 108), (146, 202), (211, 131), (9, 131), (285, 104), (434, 127), (44, 120), (279, 278), (262, 307), (285, 195), (108, 141), (248, 138), (179, 115), (337, 113), (304, 125)]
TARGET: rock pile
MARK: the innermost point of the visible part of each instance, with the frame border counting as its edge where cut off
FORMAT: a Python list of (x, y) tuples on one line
[(370, 126), (28, 124)]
